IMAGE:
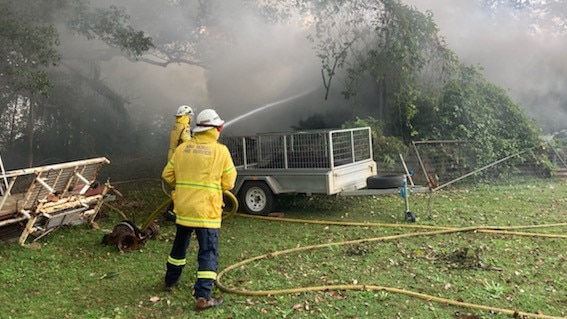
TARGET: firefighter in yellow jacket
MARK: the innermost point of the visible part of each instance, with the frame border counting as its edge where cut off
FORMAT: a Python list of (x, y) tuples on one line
[(201, 169), (180, 132)]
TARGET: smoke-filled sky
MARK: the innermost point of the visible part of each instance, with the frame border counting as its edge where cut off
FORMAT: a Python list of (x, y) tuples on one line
[(269, 63), (526, 60)]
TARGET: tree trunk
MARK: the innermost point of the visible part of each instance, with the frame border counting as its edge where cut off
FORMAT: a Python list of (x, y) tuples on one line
[(382, 98)]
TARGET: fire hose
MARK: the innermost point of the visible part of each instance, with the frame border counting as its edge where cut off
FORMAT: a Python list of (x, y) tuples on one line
[(132, 237), (507, 230)]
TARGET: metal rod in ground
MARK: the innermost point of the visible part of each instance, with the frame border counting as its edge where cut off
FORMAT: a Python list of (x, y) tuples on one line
[(421, 163), (557, 154), (406, 194), (406, 169)]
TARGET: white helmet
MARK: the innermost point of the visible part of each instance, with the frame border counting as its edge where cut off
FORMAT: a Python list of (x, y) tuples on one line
[(206, 120), (184, 110)]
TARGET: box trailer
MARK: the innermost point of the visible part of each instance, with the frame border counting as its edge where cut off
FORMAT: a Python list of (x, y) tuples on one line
[(330, 161)]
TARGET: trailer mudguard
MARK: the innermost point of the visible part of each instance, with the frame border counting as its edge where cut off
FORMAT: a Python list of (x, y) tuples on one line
[(271, 181)]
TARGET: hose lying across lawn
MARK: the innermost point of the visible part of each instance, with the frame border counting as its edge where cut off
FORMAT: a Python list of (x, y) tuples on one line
[(432, 230)]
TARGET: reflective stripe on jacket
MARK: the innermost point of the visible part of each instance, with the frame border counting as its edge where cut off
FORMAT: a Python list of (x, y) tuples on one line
[(201, 169)]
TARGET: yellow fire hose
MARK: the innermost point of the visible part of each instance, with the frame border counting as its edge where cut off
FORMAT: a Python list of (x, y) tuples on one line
[(507, 230), (232, 205), (432, 230)]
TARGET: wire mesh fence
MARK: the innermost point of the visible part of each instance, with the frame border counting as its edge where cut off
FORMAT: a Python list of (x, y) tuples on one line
[(437, 163)]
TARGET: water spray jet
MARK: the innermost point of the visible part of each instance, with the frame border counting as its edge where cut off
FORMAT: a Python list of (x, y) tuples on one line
[(267, 106)]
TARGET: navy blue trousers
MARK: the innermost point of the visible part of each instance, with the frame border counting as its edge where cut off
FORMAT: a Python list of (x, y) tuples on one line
[(207, 258)]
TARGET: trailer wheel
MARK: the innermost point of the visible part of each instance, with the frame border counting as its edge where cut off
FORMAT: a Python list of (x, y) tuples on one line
[(384, 181), (256, 198)]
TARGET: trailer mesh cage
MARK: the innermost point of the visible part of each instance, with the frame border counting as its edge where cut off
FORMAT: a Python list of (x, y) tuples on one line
[(316, 149)]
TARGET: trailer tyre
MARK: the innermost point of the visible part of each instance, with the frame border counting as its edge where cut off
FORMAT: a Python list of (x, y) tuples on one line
[(385, 181), (256, 198)]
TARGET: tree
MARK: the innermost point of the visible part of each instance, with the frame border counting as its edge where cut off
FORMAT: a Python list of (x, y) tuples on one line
[(29, 36), (182, 32), (424, 91), (385, 44), (27, 49)]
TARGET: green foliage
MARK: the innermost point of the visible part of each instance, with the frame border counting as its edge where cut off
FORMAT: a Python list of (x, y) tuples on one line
[(408, 35), (27, 49), (111, 26), (71, 125), (29, 38), (473, 109), (390, 43), (426, 93), (76, 114)]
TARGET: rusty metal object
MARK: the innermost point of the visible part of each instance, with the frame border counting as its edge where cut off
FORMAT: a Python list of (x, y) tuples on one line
[(126, 236)]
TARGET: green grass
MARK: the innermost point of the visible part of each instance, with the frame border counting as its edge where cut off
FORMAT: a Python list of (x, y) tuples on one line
[(72, 275)]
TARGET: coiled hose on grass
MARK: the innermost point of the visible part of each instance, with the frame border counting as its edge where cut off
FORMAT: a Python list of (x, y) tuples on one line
[(432, 231)]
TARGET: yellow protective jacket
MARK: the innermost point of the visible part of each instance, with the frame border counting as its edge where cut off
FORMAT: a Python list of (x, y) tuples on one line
[(201, 169), (179, 133)]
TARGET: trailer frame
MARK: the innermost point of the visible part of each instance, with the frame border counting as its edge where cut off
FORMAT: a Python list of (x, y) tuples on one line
[(327, 161)]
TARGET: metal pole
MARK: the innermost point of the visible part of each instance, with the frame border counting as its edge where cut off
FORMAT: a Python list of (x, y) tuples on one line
[(244, 155), (286, 163), (370, 144), (421, 163), (406, 169), (331, 150), (4, 178), (352, 152), (558, 156)]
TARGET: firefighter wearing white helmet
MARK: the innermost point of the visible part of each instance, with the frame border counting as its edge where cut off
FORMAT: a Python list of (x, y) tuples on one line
[(184, 110), (201, 169), (207, 120), (180, 132)]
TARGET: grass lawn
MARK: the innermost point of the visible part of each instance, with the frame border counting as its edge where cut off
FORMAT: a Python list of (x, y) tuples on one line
[(366, 260)]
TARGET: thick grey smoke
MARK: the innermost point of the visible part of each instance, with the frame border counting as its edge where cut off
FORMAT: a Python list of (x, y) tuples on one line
[(517, 52), (264, 63), (260, 64)]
